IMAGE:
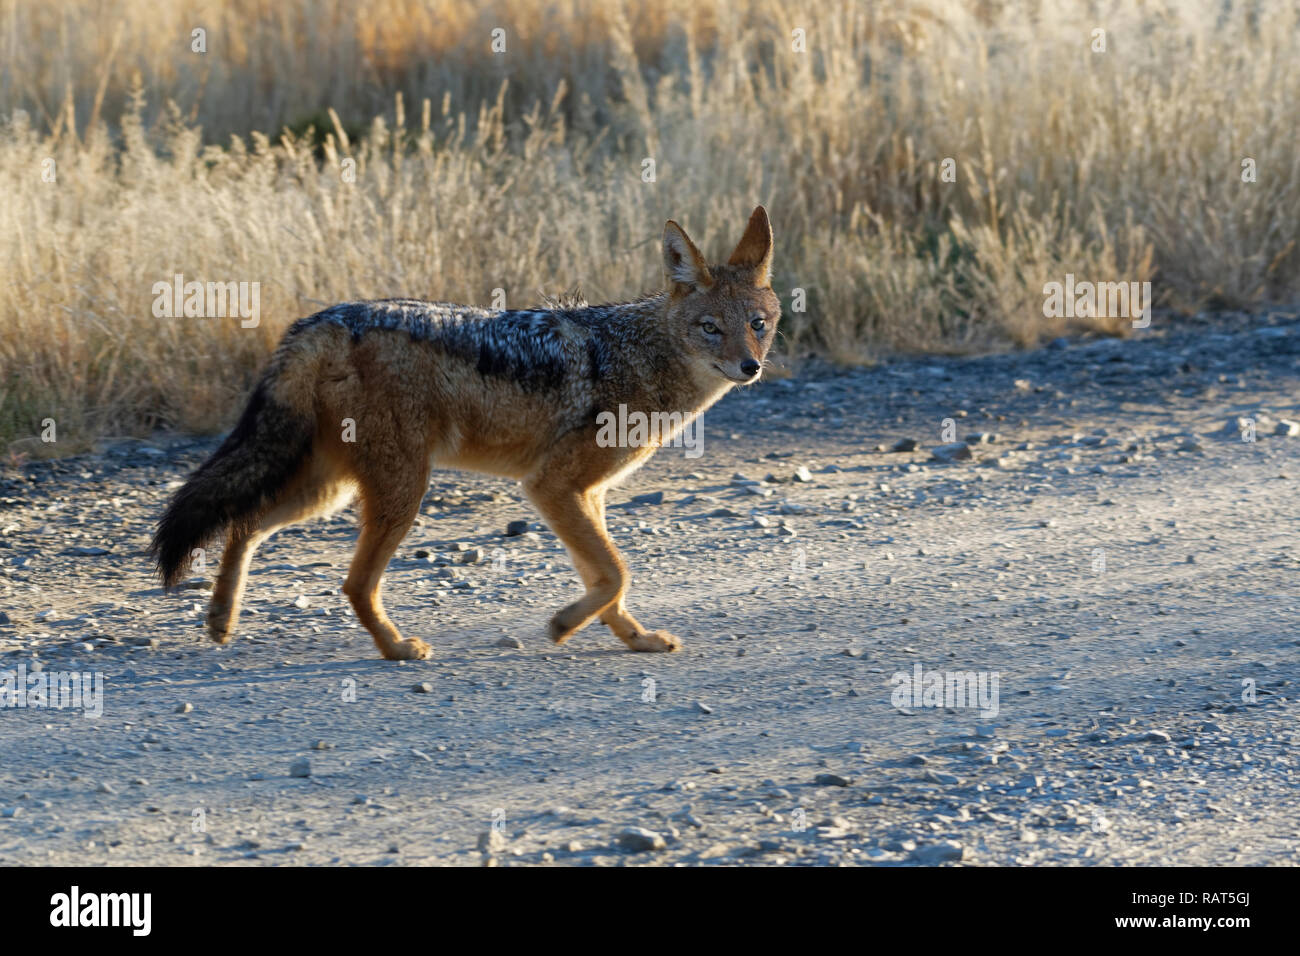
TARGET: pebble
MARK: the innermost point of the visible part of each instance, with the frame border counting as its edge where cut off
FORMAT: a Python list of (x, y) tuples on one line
[(640, 840), (948, 779), (932, 854), (954, 451), (832, 780)]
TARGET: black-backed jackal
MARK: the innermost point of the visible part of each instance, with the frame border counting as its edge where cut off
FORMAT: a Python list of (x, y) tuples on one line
[(514, 393)]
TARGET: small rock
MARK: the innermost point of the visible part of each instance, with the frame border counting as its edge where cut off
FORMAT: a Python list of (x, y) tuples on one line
[(832, 780), (933, 854), (513, 643), (516, 528), (955, 451), (640, 840), (947, 779), (300, 768)]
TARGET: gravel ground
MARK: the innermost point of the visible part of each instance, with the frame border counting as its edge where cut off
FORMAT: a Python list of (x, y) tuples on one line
[(1112, 553)]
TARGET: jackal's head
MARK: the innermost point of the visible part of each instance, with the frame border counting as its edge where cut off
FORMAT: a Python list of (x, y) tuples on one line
[(725, 315)]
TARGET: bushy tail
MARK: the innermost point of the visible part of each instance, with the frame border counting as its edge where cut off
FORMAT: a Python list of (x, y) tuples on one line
[(241, 479)]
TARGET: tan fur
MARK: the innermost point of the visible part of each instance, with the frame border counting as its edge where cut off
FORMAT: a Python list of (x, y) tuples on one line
[(416, 408)]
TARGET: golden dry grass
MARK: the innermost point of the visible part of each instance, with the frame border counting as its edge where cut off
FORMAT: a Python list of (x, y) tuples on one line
[(523, 170)]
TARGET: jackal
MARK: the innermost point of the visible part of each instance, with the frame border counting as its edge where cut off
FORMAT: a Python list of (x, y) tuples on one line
[(366, 398)]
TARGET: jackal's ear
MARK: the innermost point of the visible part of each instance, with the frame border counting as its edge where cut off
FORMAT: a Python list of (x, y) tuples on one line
[(683, 264), (755, 248)]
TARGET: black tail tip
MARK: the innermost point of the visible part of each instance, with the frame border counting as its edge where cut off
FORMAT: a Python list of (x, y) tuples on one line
[(171, 557)]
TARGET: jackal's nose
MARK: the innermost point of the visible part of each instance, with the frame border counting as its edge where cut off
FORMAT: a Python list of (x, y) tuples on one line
[(749, 368)]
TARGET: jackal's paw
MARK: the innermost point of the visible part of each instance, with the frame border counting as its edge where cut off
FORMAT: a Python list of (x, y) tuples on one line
[(654, 641), (411, 649), (219, 628), (559, 630)]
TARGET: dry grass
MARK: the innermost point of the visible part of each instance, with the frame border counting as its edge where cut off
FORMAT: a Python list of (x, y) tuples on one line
[(522, 170)]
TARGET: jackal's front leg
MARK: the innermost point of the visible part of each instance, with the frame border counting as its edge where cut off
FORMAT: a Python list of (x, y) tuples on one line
[(578, 518)]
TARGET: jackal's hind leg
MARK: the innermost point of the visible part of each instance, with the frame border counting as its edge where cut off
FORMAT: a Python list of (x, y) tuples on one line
[(385, 522), (228, 591), (316, 491)]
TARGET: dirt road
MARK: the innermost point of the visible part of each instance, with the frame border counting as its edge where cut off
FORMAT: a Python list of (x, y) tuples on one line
[(1114, 569)]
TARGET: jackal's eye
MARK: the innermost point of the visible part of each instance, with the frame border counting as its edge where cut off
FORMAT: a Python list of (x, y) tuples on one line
[(758, 324), (710, 328)]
